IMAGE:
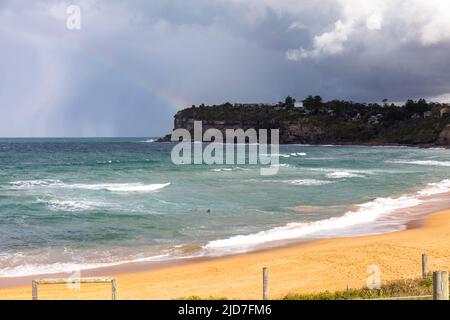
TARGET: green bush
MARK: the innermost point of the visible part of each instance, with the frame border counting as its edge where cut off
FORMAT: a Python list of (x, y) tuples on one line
[(399, 288)]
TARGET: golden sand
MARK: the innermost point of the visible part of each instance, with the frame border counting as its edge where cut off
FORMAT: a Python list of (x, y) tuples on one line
[(317, 266)]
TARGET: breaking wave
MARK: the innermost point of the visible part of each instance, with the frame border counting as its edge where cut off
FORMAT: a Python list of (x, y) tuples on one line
[(364, 214), (435, 163), (114, 187), (343, 174), (308, 182)]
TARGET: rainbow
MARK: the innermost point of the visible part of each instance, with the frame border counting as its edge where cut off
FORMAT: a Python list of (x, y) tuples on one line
[(169, 99)]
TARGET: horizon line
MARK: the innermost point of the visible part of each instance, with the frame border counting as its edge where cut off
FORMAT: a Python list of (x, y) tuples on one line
[(75, 137)]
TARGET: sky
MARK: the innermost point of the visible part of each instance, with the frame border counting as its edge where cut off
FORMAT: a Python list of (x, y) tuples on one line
[(128, 66)]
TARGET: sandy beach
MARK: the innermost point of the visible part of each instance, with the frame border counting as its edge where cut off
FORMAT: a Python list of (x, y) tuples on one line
[(317, 266)]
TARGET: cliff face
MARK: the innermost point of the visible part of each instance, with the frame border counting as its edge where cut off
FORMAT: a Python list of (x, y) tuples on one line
[(302, 131), (299, 131), (328, 125), (444, 136)]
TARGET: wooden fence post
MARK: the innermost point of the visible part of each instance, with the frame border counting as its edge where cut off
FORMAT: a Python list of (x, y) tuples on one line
[(114, 289), (440, 285), (424, 266), (265, 284), (34, 290)]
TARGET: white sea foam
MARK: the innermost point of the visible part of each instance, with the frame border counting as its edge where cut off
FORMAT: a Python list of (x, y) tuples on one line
[(230, 169), (121, 187), (308, 182), (436, 188), (285, 155), (29, 269), (71, 205), (108, 161), (69, 267), (114, 187), (27, 184), (279, 155), (365, 214), (222, 169), (435, 163), (148, 141), (343, 174), (340, 171)]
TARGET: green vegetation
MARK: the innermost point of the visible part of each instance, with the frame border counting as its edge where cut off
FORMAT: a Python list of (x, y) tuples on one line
[(392, 289), (399, 288), (339, 122), (202, 298)]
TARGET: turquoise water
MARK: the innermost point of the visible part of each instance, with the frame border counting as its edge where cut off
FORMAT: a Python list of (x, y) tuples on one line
[(68, 204)]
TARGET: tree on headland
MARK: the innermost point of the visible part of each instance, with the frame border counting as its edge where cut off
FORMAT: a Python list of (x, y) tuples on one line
[(318, 100), (289, 101), (420, 106), (313, 104)]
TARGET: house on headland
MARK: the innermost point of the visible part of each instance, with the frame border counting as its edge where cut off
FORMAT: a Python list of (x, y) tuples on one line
[(445, 112)]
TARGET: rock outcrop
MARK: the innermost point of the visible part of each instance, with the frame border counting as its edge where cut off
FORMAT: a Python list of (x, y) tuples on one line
[(329, 123), (444, 136)]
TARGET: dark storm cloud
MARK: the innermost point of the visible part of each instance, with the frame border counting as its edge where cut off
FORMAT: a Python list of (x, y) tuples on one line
[(133, 61)]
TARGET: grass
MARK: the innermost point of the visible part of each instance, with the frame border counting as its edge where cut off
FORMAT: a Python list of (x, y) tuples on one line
[(202, 298), (399, 288), (392, 289)]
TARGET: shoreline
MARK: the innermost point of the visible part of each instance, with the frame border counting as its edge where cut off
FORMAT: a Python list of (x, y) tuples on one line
[(320, 265), (418, 215)]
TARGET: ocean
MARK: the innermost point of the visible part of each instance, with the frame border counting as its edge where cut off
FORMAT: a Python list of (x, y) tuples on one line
[(75, 204)]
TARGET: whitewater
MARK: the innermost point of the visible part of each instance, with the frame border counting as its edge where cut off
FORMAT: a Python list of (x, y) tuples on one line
[(75, 204)]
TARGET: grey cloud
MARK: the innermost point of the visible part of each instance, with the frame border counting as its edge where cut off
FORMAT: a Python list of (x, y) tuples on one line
[(133, 60)]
